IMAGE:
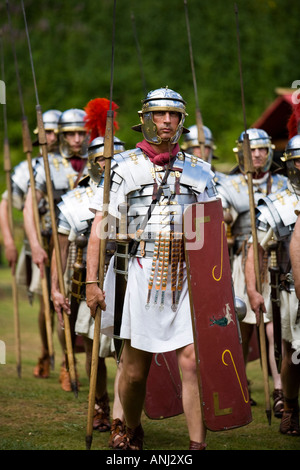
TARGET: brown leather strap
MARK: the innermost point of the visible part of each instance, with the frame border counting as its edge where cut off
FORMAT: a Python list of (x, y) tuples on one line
[(197, 445)]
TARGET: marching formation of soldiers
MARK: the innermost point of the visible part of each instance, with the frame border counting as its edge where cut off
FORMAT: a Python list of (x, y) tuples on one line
[(145, 300)]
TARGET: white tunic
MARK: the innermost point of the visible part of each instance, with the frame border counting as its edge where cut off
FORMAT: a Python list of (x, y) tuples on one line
[(152, 329)]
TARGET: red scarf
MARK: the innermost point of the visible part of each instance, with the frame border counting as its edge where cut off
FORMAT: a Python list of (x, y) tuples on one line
[(157, 158), (77, 163)]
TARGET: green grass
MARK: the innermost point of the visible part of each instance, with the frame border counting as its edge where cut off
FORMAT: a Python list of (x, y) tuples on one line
[(35, 414)]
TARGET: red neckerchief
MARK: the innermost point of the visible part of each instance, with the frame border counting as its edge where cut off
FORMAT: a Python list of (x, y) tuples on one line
[(157, 158), (77, 163)]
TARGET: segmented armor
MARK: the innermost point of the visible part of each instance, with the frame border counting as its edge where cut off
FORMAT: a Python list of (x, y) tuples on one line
[(189, 177)]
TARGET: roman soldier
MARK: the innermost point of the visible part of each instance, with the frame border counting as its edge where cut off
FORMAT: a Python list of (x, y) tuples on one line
[(66, 168), (74, 224), (233, 190), (191, 145), (153, 319), (27, 272), (276, 220)]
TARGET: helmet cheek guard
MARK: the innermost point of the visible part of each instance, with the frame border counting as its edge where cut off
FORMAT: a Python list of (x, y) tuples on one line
[(96, 152)]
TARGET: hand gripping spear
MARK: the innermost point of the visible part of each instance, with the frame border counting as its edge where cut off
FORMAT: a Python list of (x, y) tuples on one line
[(248, 165), (27, 147), (7, 169), (43, 145), (199, 122), (107, 153)]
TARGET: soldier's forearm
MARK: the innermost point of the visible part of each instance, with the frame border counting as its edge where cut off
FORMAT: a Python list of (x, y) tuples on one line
[(64, 250), (4, 224), (93, 252), (29, 222)]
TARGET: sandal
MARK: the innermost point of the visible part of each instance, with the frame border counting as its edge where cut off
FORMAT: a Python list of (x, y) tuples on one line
[(133, 439), (197, 445), (278, 405), (290, 422), (117, 433), (101, 420), (42, 369)]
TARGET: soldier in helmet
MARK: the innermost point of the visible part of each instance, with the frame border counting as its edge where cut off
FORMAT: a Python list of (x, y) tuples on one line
[(74, 224), (191, 145), (27, 272), (66, 168), (149, 325), (276, 220), (233, 190), (50, 120)]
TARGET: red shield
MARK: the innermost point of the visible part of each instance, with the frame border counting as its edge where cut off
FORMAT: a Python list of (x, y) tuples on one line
[(220, 364), (163, 391)]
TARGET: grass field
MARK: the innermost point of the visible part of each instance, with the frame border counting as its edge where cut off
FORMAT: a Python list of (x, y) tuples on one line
[(35, 414)]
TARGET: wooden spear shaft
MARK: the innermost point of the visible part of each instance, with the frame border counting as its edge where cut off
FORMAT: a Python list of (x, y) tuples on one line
[(108, 153), (43, 145), (199, 122), (248, 166), (262, 335), (27, 147), (7, 169), (67, 328)]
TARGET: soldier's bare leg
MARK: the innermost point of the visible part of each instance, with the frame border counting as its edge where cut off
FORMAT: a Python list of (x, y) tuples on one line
[(42, 369), (132, 383), (246, 332), (190, 394)]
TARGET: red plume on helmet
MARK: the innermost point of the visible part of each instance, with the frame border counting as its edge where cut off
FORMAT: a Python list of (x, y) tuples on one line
[(95, 119), (293, 124)]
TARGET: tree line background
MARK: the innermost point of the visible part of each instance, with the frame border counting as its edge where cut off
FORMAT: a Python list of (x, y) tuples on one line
[(71, 43)]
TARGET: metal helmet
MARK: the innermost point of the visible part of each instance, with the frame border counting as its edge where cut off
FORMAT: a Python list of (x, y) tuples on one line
[(191, 140), (162, 99), (292, 152), (72, 120), (258, 138), (96, 150), (50, 120)]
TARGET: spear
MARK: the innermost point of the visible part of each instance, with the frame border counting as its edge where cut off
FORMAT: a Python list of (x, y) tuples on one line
[(43, 145), (199, 122), (138, 52), (248, 165), (7, 169), (27, 148), (107, 153)]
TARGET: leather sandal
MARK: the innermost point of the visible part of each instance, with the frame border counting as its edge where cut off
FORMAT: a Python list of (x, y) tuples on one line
[(42, 369), (197, 445), (117, 433), (290, 422), (134, 438), (278, 405), (101, 420)]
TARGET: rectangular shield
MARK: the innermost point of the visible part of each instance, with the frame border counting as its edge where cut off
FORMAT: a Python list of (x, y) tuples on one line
[(167, 401), (220, 364)]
